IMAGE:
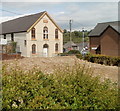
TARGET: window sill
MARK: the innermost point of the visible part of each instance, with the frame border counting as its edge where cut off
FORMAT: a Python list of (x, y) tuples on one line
[(33, 39), (56, 39), (34, 54), (46, 39)]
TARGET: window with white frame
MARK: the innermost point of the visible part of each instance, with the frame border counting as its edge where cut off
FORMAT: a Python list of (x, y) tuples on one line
[(45, 33)]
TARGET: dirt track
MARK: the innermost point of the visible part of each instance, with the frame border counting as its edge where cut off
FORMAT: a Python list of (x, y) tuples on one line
[(48, 65)]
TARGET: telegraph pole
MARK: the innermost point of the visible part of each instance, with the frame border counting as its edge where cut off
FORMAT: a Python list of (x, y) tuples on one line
[(70, 23), (83, 41), (83, 37)]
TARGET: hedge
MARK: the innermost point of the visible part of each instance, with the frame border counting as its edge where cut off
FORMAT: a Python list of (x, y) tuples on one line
[(101, 59)]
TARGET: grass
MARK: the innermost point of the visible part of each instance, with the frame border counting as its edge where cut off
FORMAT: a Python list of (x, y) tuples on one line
[(68, 88)]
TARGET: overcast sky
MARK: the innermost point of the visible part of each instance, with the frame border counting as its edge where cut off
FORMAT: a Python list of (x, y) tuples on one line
[(83, 14)]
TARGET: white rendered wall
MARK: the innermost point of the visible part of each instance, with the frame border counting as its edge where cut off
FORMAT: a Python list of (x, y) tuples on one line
[(19, 38)]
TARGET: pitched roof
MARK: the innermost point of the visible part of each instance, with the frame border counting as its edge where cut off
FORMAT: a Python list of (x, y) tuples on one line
[(21, 24), (101, 27), (69, 44)]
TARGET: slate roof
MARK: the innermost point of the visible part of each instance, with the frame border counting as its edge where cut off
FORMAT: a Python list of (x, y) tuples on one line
[(21, 24), (101, 27), (69, 44)]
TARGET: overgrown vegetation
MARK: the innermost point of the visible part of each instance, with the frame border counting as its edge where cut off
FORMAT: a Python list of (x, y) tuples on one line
[(101, 59), (14, 45), (10, 48), (69, 88)]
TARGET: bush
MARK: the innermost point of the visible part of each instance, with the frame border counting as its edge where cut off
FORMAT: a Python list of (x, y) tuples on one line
[(101, 59), (74, 52), (63, 54), (65, 89), (71, 52)]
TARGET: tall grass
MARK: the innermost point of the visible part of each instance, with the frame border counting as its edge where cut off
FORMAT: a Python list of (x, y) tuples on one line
[(68, 88)]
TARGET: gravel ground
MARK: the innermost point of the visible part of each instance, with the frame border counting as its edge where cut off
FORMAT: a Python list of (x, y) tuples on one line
[(48, 65)]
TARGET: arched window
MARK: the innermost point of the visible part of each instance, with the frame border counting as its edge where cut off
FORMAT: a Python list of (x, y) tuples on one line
[(45, 33), (56, 47), (56, 33), (33, 49), (33, 33)]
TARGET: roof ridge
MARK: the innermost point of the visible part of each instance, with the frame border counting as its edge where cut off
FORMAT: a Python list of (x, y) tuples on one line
[(109, 22), (20, 24), (23, 17), (101, 27)]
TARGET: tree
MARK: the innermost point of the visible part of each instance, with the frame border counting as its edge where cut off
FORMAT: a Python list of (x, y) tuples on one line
[(76, 33), (65, 31)]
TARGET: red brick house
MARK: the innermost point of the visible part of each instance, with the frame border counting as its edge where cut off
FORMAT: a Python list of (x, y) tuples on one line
[(105, 39)]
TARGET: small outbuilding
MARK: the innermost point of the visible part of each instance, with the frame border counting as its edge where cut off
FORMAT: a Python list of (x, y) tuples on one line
[(70, 46)]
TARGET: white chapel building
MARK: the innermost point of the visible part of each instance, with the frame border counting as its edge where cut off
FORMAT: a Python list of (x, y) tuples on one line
[(36, 35)]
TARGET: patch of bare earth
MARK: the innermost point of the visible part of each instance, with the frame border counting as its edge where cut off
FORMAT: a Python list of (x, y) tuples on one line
[(49, 65)]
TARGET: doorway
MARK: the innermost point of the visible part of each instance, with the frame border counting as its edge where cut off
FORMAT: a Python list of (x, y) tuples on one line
[(45, 50)]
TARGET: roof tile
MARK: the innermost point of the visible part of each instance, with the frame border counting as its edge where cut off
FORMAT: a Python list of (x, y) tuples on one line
[(21, 24)]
